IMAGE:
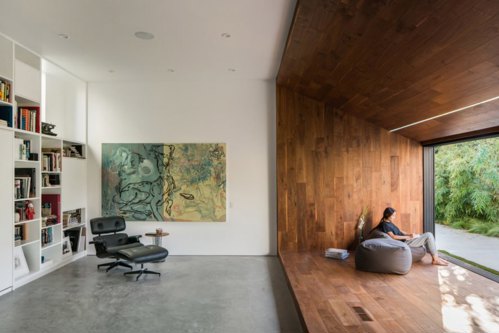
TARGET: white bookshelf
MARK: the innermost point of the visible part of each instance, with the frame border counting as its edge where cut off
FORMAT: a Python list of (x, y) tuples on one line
[(26, 234)]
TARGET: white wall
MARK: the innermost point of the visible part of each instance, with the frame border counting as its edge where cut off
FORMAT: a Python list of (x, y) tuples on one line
[(238, 113), (65, 103)]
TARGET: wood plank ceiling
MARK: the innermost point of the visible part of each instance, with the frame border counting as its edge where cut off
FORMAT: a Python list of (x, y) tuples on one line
[(397, 62)]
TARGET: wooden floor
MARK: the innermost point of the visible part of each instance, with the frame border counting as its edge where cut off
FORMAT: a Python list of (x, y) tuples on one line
[(331, 294)]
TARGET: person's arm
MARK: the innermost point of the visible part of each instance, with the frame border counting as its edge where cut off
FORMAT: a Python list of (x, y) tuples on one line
[(397, 237), (412, 234)]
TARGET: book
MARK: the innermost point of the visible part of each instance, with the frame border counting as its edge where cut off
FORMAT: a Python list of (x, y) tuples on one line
[(74, 238), (18, 149), (5, 91), (27, 177), (27, 118), (82, 241), (22, 186), (51, 160), (341, 254)]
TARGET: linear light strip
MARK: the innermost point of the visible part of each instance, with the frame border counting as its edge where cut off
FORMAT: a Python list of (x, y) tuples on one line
[(445, 114)]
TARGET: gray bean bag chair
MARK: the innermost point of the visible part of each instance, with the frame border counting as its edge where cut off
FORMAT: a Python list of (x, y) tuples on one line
[(417, 252), (382, 255)]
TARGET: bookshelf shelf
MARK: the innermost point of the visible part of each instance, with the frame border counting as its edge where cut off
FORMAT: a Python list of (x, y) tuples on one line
[(26, 199), (52, 173), (51, 226), (24, 131), (51, 187), (6, 78), (5, 103), (28, 242), (50, 245), (73, 226), (26, 162), (27, 221)]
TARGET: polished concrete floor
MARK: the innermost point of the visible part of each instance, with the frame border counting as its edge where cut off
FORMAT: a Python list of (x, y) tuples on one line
[(220, 294)]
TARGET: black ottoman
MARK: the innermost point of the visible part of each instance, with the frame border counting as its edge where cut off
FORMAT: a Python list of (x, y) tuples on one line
[(141, 255)]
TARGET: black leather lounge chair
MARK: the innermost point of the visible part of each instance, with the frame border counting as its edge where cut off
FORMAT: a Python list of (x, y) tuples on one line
[(109, 240)]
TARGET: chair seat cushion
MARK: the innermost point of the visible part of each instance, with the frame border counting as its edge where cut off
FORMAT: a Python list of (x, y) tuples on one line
[(144, 254), (383, 256), (115, 249)]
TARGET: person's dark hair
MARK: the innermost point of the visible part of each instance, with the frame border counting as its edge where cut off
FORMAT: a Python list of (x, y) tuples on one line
[(387, 213)]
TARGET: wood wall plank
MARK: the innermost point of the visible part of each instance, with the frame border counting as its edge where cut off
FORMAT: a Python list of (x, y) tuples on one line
[(330, 165)]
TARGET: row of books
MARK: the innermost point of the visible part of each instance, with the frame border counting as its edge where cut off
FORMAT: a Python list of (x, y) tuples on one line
[(5, 89), (51, 160), (20, 233), (22, 149), (24, 183), (22, 187), (47, 236), (27, 119)]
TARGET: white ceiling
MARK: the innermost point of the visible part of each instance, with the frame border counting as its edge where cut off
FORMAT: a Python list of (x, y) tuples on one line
[(187, 36)]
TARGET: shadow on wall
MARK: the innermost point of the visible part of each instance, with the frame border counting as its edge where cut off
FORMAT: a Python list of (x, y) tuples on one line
[(272, 178)]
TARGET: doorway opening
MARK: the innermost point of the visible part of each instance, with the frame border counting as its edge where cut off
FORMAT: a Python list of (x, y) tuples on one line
[(463, 202)]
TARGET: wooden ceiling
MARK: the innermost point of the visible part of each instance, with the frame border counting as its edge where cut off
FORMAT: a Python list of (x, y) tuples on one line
[(396, 62)]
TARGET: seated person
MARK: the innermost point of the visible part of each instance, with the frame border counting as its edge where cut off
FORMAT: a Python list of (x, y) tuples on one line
[(413, 240)]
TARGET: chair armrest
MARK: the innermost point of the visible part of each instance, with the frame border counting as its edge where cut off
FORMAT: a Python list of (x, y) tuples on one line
[(134, 239), (96, 242)]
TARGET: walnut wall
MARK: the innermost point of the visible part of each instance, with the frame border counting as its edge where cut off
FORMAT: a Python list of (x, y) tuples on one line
[(330, 165)]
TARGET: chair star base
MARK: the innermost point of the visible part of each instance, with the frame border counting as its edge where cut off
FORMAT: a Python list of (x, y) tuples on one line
[(114, 264), (141, 271)]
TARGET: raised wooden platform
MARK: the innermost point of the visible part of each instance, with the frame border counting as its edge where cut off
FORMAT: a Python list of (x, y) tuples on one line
[(333, 297)]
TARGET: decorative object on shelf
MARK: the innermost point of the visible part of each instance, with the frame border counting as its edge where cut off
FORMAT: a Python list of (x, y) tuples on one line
[(359, 229), (71, 218), (47, 129), (66, 247), (30, 210), (20, 265), (164, 182), (73, 150)]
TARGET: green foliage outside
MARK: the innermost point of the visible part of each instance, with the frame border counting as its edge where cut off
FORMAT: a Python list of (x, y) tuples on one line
[(467, 186)]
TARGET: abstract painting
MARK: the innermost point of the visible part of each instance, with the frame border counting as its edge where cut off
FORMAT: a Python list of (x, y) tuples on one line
[(164, 182)]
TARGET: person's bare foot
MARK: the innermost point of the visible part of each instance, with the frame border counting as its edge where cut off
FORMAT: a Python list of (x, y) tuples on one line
[(440, 262)]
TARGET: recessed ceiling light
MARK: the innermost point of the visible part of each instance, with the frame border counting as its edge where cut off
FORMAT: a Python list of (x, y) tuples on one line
[(63, 36), (231, 69), (144, 35), (171, 70), (225, 35)]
